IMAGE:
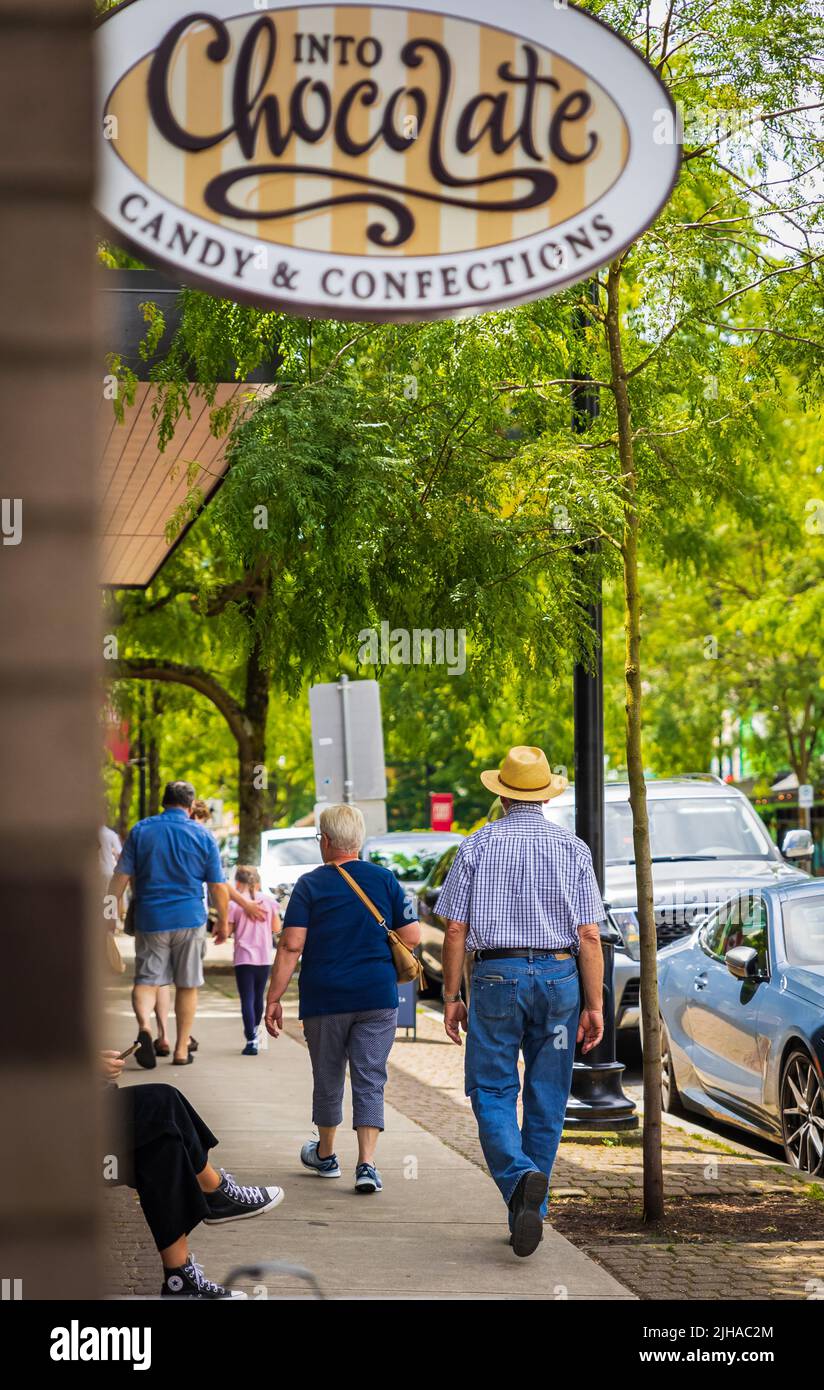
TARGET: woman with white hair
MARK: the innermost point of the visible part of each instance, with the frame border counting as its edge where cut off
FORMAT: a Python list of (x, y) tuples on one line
[(348, 987)]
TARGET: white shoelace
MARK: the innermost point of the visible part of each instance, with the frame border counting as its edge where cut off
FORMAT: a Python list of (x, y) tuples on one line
[(200, 1278), (246, 1195)]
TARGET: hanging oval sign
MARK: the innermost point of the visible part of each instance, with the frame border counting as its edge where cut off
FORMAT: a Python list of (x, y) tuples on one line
[(378, 161)]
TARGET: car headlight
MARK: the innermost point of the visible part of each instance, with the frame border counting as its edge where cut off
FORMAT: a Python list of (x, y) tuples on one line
[(626, 920)]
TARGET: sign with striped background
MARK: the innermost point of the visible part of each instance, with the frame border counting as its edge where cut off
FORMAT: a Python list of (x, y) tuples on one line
[(377, 161)]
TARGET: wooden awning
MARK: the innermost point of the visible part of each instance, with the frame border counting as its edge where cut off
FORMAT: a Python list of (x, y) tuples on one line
[(142, 488)]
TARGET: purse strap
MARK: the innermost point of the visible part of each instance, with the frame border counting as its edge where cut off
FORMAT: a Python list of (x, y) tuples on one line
[(356, 888)]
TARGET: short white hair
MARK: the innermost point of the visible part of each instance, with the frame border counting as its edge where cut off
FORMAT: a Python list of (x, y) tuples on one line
[(344, 827)]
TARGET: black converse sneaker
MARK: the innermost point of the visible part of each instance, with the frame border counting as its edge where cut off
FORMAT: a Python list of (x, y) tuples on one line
[(189, 1281), (231, 1202)]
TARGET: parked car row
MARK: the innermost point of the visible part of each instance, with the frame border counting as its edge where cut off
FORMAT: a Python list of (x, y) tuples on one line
[(287, 854)]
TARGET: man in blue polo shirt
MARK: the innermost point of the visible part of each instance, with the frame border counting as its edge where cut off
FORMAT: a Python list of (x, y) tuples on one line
[(167, 859)]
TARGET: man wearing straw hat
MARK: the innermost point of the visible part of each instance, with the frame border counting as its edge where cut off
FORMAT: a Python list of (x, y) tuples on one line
[(522, 899)]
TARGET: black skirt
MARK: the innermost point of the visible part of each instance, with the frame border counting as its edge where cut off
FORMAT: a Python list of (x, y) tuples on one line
[(160, 1144)]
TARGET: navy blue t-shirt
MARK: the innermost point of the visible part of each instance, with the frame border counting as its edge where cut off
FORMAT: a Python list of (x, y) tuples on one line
[(347, 964)]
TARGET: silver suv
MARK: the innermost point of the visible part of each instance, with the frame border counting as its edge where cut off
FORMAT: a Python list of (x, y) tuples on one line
[(707, 842)]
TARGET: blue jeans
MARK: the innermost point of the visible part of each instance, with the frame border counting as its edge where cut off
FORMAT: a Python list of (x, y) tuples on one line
[(516, 1004)]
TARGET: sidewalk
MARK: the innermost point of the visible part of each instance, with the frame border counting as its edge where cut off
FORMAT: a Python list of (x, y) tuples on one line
[(438, 1229)]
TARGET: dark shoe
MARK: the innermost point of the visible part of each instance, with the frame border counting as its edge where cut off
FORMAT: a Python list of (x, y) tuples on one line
[(525, 1206), (145, 1056), (161, 1049), (183, 1061), (250, 1050), (189, 1281), (367, 1179), (193, 1044), (231, 1202)]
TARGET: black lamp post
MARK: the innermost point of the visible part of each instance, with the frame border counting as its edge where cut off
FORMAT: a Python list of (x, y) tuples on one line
[(597, 1100)]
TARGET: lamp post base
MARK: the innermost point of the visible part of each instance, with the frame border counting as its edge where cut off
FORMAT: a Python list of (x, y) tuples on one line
[(597, 1100)]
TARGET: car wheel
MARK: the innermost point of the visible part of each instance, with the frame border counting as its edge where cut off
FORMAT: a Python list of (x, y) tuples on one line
[(671, 1102), (802, 1114)]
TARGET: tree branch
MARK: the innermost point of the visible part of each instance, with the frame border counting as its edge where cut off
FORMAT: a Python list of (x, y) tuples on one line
[(176, 672)]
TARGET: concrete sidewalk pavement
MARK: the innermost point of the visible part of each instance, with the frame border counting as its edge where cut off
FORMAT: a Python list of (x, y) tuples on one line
[(438, 1229)]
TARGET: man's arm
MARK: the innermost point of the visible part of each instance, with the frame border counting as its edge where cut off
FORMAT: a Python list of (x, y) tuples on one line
[(290, 946), (590, 911), (591, 967), (454, 906), (118, 883), (220, 897), (124, 872), (454, 956), (250, 906)]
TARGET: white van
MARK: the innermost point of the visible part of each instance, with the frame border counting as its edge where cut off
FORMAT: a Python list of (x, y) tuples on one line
[(284, 856)]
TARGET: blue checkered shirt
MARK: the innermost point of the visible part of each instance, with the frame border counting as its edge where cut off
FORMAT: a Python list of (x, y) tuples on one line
[(522, 881)]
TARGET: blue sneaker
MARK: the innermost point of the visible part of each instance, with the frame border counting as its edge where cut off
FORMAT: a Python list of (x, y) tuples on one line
[(367, 1179), (250, 1050), (324, 1167)]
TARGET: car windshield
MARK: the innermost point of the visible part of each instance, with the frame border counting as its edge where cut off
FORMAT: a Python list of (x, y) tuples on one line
[(695, 828), (804, 930), (409, 863), (284, 853)]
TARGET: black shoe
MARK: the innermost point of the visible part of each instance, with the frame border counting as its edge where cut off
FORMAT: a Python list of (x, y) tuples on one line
[(145, 1055), (189, 1281), (525, 1206), (231, 1202), (193, 1044)]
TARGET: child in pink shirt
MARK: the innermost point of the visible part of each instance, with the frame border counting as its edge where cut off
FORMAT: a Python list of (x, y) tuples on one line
[(254, 952)]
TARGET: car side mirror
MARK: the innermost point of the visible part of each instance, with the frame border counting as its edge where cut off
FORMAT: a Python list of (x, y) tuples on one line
[(742, 962), (797, 844)]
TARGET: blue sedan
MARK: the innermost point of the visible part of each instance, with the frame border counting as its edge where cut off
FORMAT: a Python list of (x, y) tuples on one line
[(742, 1007)]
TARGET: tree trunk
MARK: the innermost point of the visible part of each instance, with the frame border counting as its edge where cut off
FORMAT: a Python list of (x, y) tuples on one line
[(153, 752), (124, 809), (252, 770), (650, 1022)]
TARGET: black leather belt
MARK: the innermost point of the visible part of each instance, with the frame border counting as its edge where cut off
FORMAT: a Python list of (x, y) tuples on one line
[(522, 952)]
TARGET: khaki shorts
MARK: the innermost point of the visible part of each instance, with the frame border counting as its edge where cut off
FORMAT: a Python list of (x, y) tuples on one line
[(169, 957)]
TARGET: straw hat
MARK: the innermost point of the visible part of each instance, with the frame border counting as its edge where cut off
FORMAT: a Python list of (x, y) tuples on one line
[(524, 776)]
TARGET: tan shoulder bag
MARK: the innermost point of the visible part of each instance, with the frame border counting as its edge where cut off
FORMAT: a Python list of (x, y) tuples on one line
[(407, 965)]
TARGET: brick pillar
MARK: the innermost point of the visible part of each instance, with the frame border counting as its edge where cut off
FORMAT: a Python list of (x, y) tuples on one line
[(49, 653)]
